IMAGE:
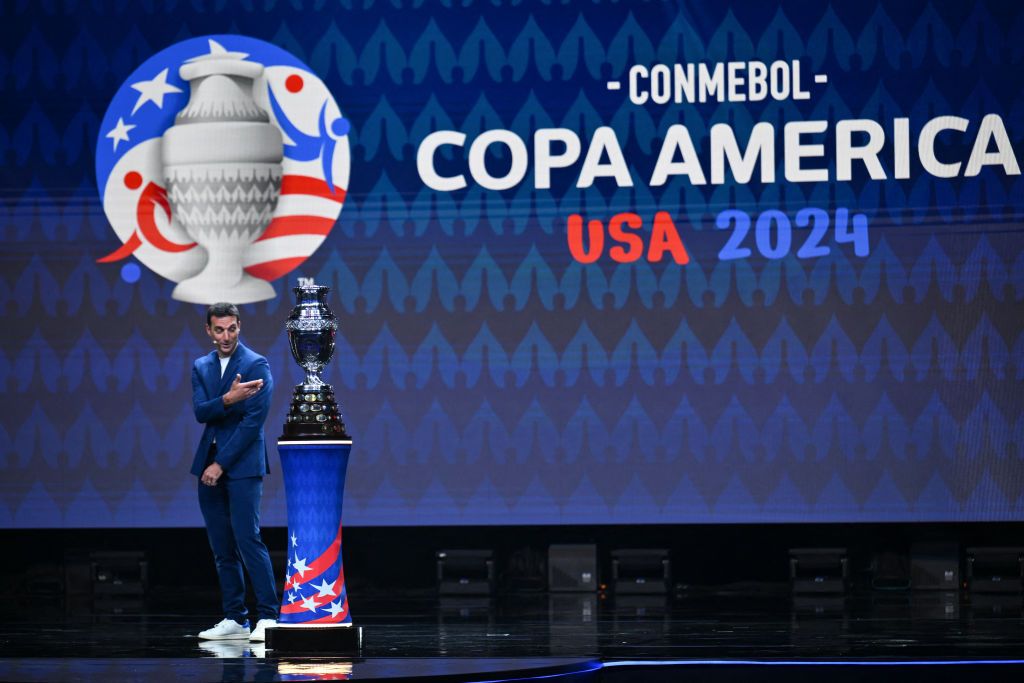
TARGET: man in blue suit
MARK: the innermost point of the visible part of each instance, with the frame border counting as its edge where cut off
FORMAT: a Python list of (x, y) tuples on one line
[(231, 389)]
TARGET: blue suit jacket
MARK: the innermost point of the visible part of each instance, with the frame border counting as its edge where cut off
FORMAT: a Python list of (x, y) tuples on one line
[(241, 449)]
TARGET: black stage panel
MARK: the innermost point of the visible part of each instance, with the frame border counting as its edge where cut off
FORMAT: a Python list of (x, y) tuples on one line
[(752, 631)]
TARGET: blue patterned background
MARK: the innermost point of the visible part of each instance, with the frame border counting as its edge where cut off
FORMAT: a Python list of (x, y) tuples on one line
[(488, 378)]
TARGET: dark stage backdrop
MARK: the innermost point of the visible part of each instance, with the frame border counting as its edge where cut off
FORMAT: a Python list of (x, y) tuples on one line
[(791, 322)]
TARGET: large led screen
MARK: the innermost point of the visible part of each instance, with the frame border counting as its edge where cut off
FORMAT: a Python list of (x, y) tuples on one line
[(593, 262)]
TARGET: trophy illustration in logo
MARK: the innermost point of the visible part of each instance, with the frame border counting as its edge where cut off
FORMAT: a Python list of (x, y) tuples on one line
[(222, 162)]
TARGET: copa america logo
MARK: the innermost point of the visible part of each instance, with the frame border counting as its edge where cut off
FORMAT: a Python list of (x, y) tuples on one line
[(222, 163)]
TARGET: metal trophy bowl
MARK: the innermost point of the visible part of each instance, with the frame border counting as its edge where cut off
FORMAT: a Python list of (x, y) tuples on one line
[(311, 330)]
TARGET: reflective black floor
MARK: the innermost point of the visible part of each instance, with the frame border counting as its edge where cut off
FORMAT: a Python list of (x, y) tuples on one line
[(744, 632)]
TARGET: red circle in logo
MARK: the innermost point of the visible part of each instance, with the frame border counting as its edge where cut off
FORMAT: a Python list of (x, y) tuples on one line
[(294, 83), (132, 180)]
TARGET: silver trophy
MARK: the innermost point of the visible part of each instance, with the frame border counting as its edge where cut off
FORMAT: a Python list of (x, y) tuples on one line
[(311, 330)]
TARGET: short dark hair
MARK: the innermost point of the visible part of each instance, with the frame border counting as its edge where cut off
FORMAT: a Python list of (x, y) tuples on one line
[(221, 309)]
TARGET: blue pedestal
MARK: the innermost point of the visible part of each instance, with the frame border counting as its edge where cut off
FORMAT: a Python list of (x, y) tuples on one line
[(314, 482)]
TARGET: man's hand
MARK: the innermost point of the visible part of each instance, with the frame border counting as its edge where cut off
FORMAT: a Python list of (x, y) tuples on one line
[(240, 390), (211, 474)]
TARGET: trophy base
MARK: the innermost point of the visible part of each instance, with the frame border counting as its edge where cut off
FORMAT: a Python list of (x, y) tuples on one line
[(313, 415), (315, 639), (203, 288)]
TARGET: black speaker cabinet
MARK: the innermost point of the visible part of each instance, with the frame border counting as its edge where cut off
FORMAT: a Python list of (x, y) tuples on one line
[(995, 570), (818, 570), (572, 568), (935, 566), (465, 572), (119, 573), (641, 571)]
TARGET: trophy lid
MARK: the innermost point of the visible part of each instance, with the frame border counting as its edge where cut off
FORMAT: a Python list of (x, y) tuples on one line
[(308, 292), (310, 287)]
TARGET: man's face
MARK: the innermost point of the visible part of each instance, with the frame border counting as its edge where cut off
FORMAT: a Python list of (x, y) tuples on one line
[(224, 333)]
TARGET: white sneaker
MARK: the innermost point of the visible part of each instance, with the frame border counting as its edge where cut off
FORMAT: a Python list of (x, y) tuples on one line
[(259, 634), (227, 629)]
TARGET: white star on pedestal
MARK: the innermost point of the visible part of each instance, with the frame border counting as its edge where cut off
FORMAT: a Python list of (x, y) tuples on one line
[(119, 133), (334, 609), (295, 540), (300, 566), (325, 589), (310, 604), (153, 91)]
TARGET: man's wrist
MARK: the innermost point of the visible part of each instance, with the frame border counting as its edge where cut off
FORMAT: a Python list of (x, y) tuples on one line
[(226, 400)]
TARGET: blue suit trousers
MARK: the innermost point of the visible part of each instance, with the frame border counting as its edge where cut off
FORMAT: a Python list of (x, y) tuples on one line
[(231, 510)]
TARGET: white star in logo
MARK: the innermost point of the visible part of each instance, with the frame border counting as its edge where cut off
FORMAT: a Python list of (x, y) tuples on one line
[(300, 565), (334, 609), (292, 596), (295, 584), (310, 604), (295, 540), (119, 133), (289, 564), (325, 589), (153, 91)]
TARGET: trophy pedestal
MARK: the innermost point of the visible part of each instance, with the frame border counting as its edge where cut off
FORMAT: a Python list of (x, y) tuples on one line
[(311, 639), (315, 601)]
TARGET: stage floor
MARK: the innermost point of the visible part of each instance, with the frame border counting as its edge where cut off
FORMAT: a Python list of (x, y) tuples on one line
[(744, 632)]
